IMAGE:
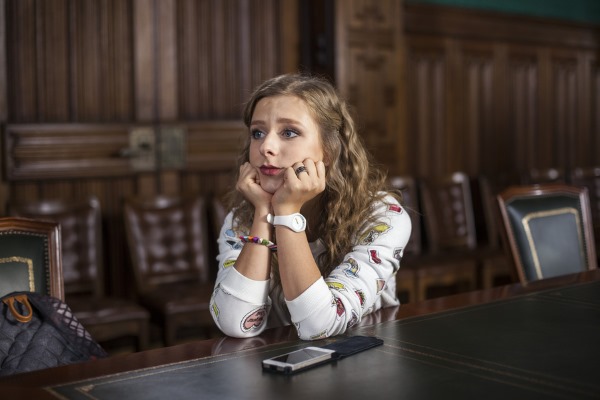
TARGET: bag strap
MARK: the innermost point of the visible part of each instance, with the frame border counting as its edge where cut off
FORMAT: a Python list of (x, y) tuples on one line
[(20, 298)]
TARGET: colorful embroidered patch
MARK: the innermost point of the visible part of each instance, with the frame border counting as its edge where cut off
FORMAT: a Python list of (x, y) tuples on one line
[(231, 233), (380, 285), (353, 321), (340, 309), (336, 285), (215, 310), (352, 269), (398, 253), (372, 234), (320, 335), (395, 208), (254, 319), (374, 256), (361, 297), (235, 244)]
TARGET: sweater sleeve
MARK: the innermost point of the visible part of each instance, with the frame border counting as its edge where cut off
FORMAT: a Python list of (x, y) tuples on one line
[(239, 305), (339, 301)]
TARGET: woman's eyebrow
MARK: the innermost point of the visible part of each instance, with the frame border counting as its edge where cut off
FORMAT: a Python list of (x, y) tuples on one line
[(279, 121), (289, 121)]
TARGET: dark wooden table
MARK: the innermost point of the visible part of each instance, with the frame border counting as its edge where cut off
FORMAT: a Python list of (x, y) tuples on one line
[(539, 341)]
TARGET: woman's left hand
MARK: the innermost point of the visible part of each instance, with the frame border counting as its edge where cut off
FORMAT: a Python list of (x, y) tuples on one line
[(299, 187)]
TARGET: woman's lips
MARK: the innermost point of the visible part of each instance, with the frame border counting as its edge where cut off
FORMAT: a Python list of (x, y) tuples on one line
[(270, 170)]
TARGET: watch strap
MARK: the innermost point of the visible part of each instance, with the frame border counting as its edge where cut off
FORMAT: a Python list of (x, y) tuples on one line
[(288, 221)]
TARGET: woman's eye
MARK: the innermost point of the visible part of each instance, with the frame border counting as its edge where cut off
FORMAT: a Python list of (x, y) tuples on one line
[(256, 134), (288, 133)]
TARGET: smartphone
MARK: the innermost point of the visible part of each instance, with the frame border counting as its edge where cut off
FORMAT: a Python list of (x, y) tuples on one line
[(298, 360)]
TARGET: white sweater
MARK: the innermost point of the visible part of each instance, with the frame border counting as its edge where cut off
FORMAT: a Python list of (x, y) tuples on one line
[(362, 283)]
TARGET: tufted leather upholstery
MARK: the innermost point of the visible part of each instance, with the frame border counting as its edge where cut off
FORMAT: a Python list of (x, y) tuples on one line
[(409, 189), (495, 268), (30, 258), (167, 238), (103, 316), (406, 287), (548, 230)]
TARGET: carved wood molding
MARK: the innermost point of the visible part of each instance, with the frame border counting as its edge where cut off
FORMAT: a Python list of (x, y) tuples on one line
[(488, 25), (66, 151), (369, 73)]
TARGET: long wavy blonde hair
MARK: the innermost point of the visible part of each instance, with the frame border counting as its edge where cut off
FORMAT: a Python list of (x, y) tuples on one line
[(353, 181)]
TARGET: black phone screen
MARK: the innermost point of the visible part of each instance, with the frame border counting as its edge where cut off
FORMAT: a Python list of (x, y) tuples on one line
[(298, 356)]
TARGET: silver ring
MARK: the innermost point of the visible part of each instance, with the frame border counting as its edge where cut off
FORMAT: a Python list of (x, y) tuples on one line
[(300, 169)]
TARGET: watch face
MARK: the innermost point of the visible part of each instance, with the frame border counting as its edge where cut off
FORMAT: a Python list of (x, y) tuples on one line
[(298, 222)]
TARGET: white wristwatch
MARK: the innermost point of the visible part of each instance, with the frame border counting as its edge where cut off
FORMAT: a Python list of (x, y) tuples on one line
[(295, 222)]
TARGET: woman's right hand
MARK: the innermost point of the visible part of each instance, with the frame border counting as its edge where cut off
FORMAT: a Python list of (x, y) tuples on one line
[(248, 185)]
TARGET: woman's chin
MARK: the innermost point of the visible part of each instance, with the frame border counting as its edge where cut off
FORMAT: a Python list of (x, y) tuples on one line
[(270, 186)]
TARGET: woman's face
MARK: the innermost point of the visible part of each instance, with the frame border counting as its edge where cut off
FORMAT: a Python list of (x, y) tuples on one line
[(283, 132)]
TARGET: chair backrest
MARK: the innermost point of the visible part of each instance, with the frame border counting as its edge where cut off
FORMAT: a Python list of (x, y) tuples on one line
[(30, 257), (409, 189), (548, 230), (489, 188), (167, 239), (81, 239), (448, 213), (590, 178), (545, 175)]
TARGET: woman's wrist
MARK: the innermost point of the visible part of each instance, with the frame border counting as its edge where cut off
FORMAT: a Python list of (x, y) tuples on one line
[(285, 210), (260, 225)]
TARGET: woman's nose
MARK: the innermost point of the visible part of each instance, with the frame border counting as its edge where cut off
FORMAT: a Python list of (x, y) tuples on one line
[(269, 144)]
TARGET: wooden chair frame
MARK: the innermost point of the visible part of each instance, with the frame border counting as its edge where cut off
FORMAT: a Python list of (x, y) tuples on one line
[(51, 231), (532, 191)]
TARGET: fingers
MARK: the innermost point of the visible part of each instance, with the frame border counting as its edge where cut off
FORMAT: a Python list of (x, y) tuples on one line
[(248, 185), (300, 170), (309, 169)]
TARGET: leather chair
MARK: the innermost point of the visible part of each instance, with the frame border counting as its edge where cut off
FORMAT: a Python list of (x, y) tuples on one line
[(450, 262), (545, 175), (495, 266), (217, 214), (548, 230), (406, 279), (105, 317), (167, 239), (30, 257), (590, 179)]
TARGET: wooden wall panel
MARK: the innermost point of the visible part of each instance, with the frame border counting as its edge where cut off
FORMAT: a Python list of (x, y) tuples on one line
[(83, 66), (143, 60), (427, 118), (436, 89), (523, 86), (475, 109), (369, 73), (75, 151), (486, 125), (77, 160), (519, 85), (564, 112), (593, 90)]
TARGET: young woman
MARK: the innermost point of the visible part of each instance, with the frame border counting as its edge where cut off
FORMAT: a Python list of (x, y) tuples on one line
[(313, 238)]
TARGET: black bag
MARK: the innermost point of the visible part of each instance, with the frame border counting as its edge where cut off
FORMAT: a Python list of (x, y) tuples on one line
[(38, 331)]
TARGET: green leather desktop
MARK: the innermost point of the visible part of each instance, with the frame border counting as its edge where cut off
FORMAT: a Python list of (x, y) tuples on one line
[(534, 346)]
